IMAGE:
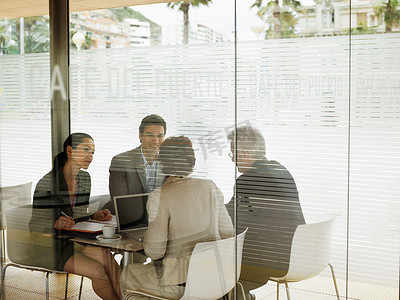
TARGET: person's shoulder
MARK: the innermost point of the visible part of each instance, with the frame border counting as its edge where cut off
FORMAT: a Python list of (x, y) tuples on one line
[(84, 175), (270, 168), (129, 156), (202, 182), (46, 180), (44, 187)]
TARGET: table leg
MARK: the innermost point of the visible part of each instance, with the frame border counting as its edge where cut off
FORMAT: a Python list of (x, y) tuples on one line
[(125, 259)]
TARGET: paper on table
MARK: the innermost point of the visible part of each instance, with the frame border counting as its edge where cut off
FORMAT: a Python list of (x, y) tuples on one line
[(86, 226), (113, 221)]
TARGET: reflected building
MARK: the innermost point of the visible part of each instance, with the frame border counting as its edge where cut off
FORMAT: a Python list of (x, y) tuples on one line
[(331, 17)]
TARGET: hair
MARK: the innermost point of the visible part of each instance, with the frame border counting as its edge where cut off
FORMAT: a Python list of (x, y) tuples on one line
[(177, 157), (250, 139), (72, 140), (152, 120)]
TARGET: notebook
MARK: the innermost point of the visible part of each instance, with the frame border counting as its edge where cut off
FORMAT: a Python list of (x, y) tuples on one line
[(131, 215), (86, 226)]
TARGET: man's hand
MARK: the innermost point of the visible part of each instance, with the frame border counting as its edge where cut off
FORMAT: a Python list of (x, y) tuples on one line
[(102, 215)]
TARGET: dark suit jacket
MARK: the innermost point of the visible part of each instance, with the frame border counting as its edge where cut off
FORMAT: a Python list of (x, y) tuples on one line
[(268, 204), (50, 198), (127, 175)]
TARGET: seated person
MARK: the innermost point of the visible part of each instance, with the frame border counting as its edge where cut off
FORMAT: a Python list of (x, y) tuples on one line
[(184, 211), (267, 203), (61, 197), (137, 171)]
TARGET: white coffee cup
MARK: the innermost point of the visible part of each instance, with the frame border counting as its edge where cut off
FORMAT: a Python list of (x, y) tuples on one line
[(108, 231)]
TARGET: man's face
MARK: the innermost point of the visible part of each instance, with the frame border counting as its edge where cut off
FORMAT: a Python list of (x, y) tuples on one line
[(151, 138), (243, 160)]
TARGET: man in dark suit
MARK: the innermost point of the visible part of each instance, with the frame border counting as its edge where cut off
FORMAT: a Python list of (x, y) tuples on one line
[(267, 202), (137, 171)]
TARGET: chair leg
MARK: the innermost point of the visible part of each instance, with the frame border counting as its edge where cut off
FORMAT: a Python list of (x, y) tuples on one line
[(66, 287), (80, 289), (334, 282), (3, 250), (243, 293), (47, 285), (287, 291), (277, 290), (3, 278)]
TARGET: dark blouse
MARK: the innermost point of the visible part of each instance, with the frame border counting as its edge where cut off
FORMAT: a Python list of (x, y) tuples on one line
[(51, 197)]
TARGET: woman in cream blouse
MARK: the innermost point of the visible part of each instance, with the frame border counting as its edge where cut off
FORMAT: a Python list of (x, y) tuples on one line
[(182, 212)]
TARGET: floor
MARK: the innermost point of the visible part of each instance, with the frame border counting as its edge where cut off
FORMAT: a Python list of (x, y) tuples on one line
[(23, 284)]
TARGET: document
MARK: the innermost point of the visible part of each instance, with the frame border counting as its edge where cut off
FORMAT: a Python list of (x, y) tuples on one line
[(91, 226), (86, 226), (113, 221)]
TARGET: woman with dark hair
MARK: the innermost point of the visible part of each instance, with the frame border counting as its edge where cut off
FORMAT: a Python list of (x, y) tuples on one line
[(182, 212), (61, 198)]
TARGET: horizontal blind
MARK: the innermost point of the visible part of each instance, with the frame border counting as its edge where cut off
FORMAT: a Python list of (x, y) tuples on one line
[(295, 91), (374, 244), (191, 87), (25, 152)]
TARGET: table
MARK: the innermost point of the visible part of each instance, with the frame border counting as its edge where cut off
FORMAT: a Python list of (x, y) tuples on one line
[(123, 246)]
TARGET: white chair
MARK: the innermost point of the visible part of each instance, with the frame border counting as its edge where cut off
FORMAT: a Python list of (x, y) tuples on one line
[(18, 237), (310, 254), (12, 196), (211, 273)]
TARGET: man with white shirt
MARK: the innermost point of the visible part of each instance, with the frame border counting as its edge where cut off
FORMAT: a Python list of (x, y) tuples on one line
[(137, 171)]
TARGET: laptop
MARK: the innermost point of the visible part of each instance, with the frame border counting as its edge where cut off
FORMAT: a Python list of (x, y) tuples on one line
[(131, 215)]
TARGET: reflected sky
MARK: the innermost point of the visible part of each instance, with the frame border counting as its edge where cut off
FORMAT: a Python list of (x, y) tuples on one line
[(219, 16)]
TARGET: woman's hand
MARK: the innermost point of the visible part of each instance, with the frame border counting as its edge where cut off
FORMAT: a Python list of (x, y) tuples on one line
[(64, 222), (102, 215)]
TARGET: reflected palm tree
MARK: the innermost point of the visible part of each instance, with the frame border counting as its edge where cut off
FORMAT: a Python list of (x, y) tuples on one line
[(184, 7), (388, 10), (281, 20)]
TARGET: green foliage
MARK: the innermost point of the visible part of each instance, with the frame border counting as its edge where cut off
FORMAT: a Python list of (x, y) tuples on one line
[(87, 44), (388, 9), (362, 28), (281, 21), (36, 35), (194, 3), (184, 6), (286, 23), (3, 39)]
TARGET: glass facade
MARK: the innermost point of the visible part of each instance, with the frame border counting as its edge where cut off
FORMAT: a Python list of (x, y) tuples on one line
[(320, 82)]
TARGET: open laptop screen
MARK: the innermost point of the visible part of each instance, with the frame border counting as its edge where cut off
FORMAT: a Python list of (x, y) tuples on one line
[(130, 211)]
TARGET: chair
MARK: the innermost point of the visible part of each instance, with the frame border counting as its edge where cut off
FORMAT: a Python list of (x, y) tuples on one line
[(310, 254), (12, 196), (211, 273), (18, 237)]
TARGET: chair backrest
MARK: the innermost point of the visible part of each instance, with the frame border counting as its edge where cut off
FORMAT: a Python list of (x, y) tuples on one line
[(18, 233), (21, 240), (310, 251), (212, 266), (14, 196)]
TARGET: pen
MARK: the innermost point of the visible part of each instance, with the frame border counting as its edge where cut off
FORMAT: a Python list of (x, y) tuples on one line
[(65, 215)]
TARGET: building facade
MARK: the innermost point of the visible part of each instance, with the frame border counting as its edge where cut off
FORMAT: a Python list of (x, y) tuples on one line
[(333, 17)]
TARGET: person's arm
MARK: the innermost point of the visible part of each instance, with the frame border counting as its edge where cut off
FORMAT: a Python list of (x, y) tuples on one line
[(46, 211), (156, 239), (118, 184)]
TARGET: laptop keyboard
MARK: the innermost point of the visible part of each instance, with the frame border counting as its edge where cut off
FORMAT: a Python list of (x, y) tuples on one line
[(135, 233)]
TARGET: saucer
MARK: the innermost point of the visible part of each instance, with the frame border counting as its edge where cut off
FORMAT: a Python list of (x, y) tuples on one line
[(101, 239)]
